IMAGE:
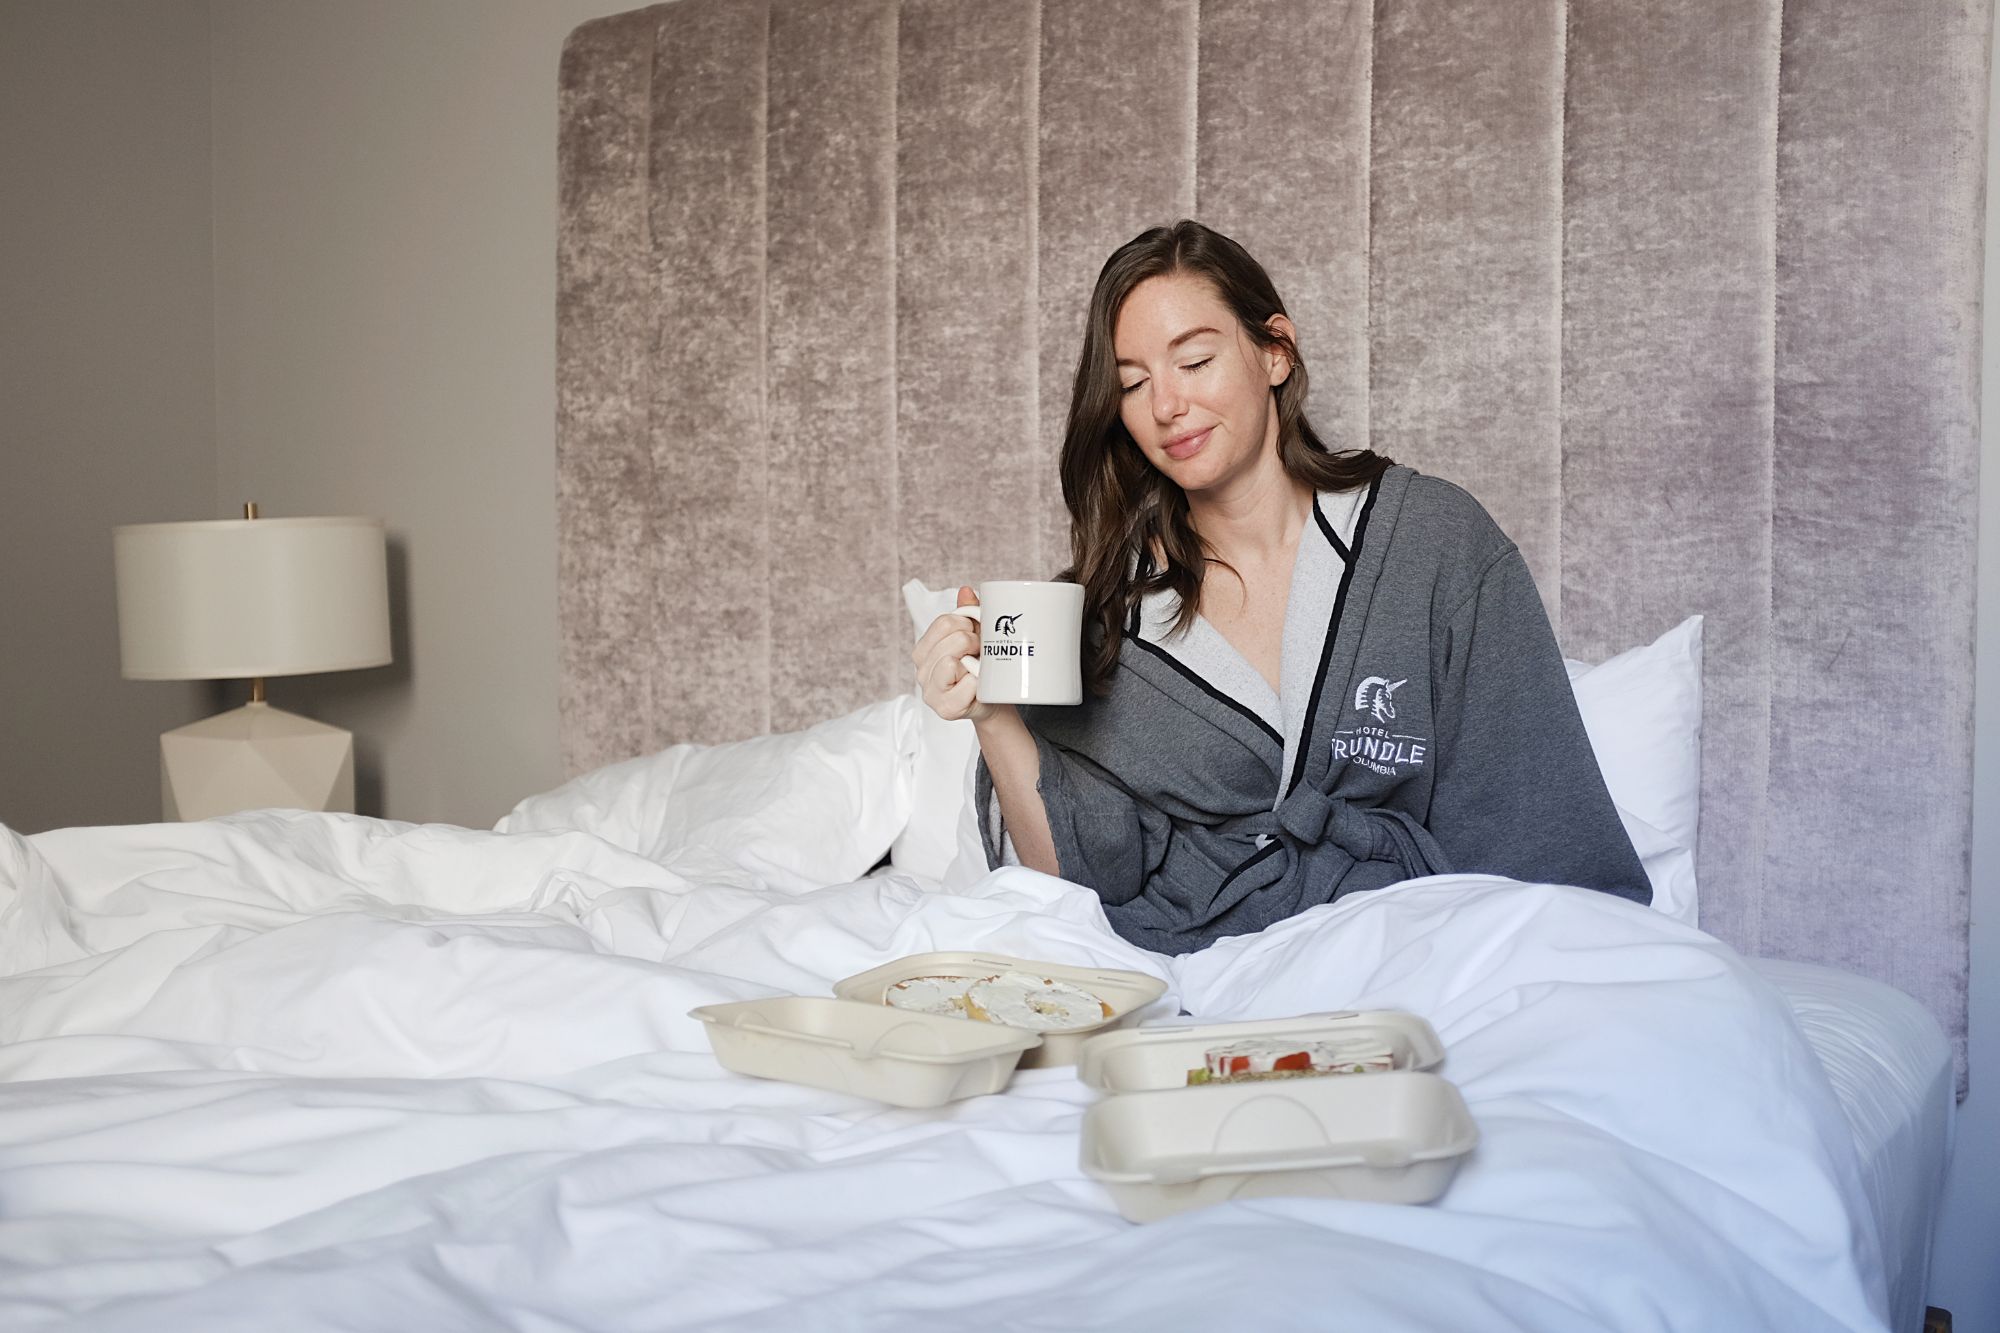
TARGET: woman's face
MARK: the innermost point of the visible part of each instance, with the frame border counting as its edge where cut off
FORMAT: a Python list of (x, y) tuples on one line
[(1196, 388)]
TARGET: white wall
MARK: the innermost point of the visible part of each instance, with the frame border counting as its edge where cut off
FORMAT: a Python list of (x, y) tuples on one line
[(385, 237)]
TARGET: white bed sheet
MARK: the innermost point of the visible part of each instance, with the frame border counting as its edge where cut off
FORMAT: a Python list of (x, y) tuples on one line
[(1890, 1066), (290, 1071)]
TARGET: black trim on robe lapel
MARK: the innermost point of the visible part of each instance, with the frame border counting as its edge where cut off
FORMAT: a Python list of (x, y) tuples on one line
[(1207, 688), (1145, 570), (1332, 632), (1334, 537), (1266, 850), (1141, 572)]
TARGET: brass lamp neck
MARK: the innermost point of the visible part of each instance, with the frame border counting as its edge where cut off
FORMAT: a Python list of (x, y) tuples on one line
[(256, 682)]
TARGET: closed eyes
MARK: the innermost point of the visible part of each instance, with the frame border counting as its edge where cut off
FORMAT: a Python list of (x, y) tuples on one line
[(1191, 366)]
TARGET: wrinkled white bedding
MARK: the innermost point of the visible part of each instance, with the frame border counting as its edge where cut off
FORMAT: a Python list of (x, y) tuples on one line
[(314, 1071)]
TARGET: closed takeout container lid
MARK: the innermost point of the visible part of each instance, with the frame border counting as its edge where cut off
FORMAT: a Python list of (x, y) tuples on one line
[(1126, 992), (870, 1050), (1159, 1055), (1393, 1137)]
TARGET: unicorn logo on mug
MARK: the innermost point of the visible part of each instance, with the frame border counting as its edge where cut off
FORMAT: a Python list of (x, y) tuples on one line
[(1005, 624)]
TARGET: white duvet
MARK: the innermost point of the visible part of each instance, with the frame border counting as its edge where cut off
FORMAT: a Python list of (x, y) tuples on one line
[(286, 1071)]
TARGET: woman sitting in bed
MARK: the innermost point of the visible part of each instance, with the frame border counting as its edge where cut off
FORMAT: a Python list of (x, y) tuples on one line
[(1308, 673)]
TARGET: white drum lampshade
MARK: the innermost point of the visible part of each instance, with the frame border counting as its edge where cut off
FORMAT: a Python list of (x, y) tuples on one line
[(247, 599)]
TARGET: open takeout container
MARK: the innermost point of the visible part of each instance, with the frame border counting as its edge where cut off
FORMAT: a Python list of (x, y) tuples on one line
[(1126, 992), (1158, 1055), (891, 1055), (1390, 1137)]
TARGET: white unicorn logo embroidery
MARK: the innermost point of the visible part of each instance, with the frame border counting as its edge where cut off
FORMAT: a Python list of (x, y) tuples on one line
[(1372, 696)]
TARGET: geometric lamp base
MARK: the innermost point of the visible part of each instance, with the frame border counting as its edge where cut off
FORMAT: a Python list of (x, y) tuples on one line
[(255, 758)]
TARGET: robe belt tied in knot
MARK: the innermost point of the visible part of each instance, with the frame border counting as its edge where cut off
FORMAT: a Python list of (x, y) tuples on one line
[(1309, 819), (1312, 817)]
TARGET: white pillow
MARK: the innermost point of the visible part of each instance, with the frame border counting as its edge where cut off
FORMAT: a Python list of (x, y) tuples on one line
[(1642, 709), (799, 810), (945, 752)]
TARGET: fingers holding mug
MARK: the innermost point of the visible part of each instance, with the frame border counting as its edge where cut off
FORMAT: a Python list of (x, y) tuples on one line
[(949, 689), (961, 624), (969, 609), (947, 663)]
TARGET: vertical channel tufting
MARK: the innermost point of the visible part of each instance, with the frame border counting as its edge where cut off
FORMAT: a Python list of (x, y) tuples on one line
[(767, 642), (1048, 488), (1368, 228), (1753, 924), (1113, 149), (603, 343), (965, 303), (892, 661), (1877, 437), (1283, 167), (1560, 246), (1194, 113), (1666, 384), (1364, 431), (1466, 160), (708, 662), (830, 297)]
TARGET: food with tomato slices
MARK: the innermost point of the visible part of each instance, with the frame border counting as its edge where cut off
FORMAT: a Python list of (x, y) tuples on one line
[(1257, 1058)]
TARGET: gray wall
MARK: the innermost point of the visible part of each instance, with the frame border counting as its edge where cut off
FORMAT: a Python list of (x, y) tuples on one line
[(384, 345), (106, 381), (382, 314)]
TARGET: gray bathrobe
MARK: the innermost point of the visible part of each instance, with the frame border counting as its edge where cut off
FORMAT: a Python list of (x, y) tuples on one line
[(1425, 726)]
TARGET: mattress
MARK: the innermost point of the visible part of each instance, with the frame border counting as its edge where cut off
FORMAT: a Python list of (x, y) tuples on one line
[(1891, 1068)]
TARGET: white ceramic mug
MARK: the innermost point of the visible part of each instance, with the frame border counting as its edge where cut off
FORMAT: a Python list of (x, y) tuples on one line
[(1030, 637)]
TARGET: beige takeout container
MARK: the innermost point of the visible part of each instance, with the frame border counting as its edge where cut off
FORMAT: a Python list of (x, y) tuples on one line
[(1393, 1137), (891, 1055), (1160, 1054), (1126, 992)]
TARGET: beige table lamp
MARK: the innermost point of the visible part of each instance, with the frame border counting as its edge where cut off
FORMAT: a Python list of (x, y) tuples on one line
[(250, 598)]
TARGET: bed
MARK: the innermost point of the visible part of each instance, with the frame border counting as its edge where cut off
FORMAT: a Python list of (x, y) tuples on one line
[(300, 1070), (819, 266), (291, 1070)]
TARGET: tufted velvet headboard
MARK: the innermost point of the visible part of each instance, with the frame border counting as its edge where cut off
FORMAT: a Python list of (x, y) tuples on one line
[(1687, 294)]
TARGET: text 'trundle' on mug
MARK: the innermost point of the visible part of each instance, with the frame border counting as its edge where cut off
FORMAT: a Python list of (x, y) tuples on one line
[(1029, 642)]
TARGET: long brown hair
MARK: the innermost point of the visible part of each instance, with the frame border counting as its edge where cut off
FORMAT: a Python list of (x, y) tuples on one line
[(1122, 509)]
